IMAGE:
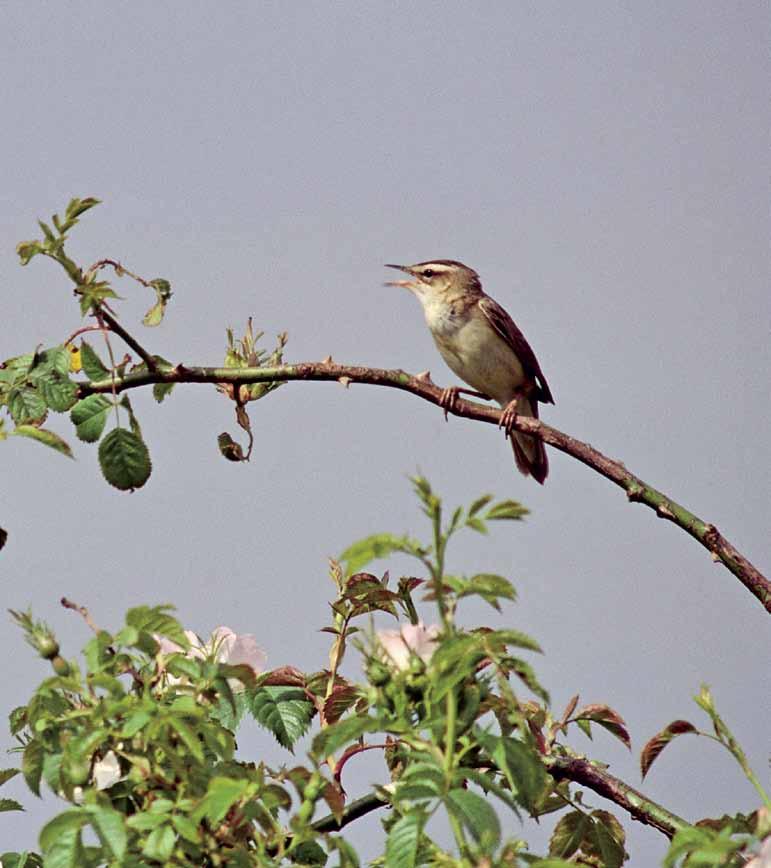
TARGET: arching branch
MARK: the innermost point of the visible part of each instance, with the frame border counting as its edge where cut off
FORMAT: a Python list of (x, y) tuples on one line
[(636, 489)]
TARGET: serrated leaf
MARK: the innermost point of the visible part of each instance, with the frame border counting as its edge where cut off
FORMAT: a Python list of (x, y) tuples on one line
[(47, 438), (155, 619), (342, 733), (124, 459), (89, 417), (58, 393), (477, 815), (607, 839), (60, 838), (506, 510), (161, 390), (490, 588), (379, 545), (659, 741), (607, 718), (54, 360), (32, 765), (402, 842), (569, 834), (284, 711), (92, 365), (26, 405)]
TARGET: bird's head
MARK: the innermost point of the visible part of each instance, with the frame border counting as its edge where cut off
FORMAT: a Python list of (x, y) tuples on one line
[(437, 278)]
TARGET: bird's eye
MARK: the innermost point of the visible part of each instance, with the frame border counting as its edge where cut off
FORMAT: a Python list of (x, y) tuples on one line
[(429, 272)]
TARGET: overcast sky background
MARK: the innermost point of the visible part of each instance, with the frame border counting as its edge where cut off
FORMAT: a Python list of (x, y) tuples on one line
[(603, 166)]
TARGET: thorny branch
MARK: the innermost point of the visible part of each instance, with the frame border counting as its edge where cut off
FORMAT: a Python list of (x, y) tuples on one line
[(636, 489), (580, 771)]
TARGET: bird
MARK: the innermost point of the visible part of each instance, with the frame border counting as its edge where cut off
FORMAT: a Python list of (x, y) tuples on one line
[(480, 343)]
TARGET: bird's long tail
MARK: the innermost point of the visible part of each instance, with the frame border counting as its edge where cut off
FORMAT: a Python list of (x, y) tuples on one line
[(529, 452)]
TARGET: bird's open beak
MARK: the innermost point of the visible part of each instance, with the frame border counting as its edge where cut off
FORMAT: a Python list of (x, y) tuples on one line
[(408, 284)]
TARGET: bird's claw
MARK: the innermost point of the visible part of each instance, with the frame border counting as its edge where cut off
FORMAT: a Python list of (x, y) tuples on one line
[(508, 417), (448, 400)]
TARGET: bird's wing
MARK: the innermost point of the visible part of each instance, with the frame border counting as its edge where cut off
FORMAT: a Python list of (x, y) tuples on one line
[(506, 328)]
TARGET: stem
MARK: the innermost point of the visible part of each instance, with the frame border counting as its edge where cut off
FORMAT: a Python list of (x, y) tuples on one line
[(636, 489), (449, 747), (118, 329), (639, 806)]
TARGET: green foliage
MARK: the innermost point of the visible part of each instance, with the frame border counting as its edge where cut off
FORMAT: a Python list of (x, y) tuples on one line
[(124, 459)]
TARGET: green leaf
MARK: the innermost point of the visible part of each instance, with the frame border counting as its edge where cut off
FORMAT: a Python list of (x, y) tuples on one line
[(520, 765), (160, 843), (479, 503), (478, 817), (124, 459), (93, 294), (161, 390), (284, 711), (32, 765), (10, 805), (490, 588), (188, 737), (513, 638), (54, 360), (342, 733), (379, 545), (92, 365), (76, 207), (24, 859), (59, 394), (42, 435), (569, 833), (659, 741), (26, 405), (7, 774), (155, 619), (60, 839), (162, 288), (89, 417), (403, 839), (110, 826), (221, 794), (607, 839), (229, 448), (507, 510), (27, 249)]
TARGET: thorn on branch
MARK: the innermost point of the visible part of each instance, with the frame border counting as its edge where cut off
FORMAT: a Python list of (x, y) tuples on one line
[(663, 510)]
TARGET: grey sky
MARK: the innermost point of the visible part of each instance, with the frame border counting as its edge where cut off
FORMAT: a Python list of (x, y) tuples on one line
[(603, 166)]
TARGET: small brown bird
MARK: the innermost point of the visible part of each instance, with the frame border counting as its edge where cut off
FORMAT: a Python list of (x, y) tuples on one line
[(482, 345)]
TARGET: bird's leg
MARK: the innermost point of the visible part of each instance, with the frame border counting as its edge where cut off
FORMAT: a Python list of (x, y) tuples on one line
[(449, 398), (509, 416)]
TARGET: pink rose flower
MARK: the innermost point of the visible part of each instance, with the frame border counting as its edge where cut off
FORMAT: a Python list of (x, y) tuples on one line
[(400, 645)]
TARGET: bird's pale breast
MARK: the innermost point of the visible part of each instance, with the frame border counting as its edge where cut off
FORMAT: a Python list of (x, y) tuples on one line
[(475, 352)]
